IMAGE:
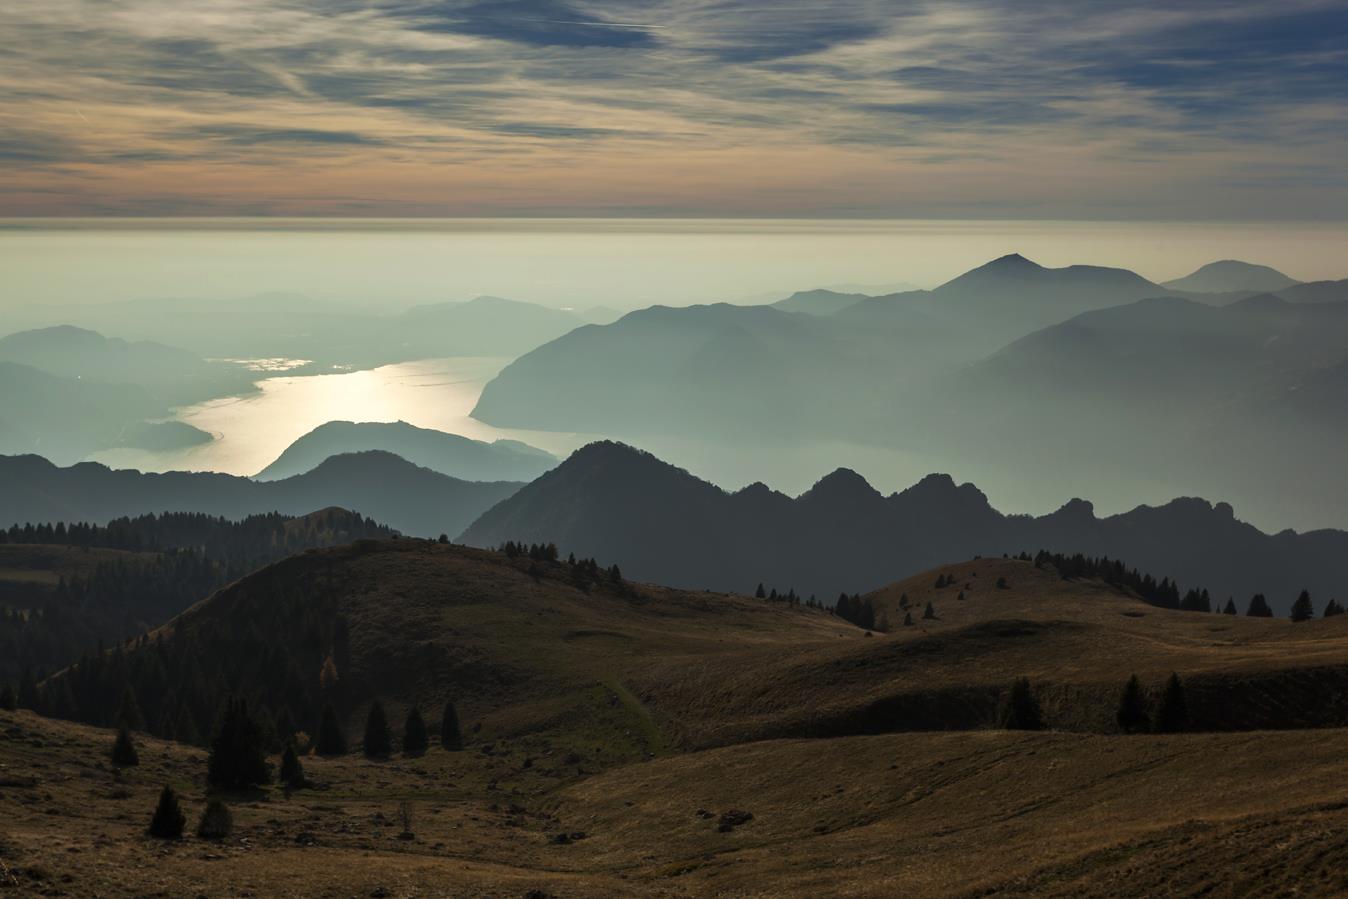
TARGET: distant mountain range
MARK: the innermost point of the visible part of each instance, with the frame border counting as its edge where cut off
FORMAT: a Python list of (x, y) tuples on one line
[(661, 523), (449, 454), (1230, 275), (380, 485)]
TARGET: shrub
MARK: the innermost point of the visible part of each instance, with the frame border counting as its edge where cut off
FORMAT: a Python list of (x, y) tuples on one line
[(168, 820), (217, 822)]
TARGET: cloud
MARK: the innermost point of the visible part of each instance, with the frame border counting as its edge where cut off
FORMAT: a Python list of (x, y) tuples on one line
[(679, 104)]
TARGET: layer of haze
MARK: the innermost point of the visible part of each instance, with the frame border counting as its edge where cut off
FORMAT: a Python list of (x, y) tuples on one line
[(388, 265)]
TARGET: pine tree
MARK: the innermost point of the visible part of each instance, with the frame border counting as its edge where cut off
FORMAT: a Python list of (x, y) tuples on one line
[(1333, 608), (928, 612), (1230, 608), (124, 753), (1172, 716), (1132, 715), (907, 619), (331, 742), (1021, 710), (185, 728), (450, 737), (378, 741), (1303, 609), (1259, 607), (9, 700), (292, 772), (217, 822), (129, 714), (415, 740), (760, 593), (168, 821), (238, 758), (1002, 584)]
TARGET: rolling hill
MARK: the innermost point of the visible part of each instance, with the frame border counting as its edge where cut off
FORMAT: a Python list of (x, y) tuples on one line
[(389, 489), (449, 454), (826, 760), (842, 535)]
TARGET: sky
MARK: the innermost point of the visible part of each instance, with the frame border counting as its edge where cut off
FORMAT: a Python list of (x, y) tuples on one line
[(1224, 110)]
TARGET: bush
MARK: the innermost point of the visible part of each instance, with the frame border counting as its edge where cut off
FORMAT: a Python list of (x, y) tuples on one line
[(124, 753), (217, 822), (168, 820)]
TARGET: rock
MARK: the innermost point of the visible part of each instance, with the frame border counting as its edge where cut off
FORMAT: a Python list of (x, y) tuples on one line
[(732, 819)]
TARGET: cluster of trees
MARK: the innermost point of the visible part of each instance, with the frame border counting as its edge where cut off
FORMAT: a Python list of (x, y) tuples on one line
[(45, 628), (1020, 709), (238, 759), (583, 573), (860, 612)]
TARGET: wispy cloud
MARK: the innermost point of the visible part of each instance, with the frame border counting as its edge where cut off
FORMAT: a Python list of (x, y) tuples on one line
[(863, 107)]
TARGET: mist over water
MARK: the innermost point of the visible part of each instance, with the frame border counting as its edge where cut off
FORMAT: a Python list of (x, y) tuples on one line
[(391, 264)]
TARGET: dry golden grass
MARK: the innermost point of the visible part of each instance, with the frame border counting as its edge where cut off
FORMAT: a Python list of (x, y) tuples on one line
[(590, 708)]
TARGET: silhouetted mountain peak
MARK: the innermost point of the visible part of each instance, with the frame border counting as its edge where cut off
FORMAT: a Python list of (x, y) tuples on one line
[(1075, 510), (843, 485), (1229, 275)]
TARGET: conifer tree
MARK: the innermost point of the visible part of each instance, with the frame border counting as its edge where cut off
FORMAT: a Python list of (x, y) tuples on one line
[(1303, 609), (1132, 715), (9, 700), (903, 600), (331, 741), (907, 619), (168, 820), (760, 593), (238, 758), (1230, 608), (1172, 715), (378, 742), (124, 753), (450, 737), (1021, 710), (292, 772), (415, 740), (1259, 607), (1333, 608), (217, 821), (185, 727), (928, 612)]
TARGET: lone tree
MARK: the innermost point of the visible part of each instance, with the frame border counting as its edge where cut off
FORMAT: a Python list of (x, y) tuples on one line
[(238, 758), (907, 619), (168, 820), (331, 742), (929, 612), (1132, 716), (217, 822), (415, 741), (1021, 710), (1259, 607), (124, 753), (292, 772), (1230, 608), (1172, 716), (1303, 609), (378, 741), (1333, 608), (450, 736)]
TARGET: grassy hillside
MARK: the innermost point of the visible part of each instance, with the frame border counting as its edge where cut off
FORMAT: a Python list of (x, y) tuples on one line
[(931, 814)]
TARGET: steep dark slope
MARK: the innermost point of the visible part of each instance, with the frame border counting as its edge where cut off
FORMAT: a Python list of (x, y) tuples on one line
[(392, 491), (449, 454), (661, 523)]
